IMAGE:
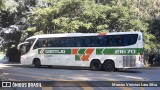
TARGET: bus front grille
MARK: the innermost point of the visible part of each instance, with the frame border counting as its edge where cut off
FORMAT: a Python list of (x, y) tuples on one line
[(129, 61)]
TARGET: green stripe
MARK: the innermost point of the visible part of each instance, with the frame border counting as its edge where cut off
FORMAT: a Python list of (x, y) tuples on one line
[(99, 51), (118, 51), (81, 51), (78, 57)]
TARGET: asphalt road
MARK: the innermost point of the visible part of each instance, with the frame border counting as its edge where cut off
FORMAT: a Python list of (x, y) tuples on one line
[(18, 72)]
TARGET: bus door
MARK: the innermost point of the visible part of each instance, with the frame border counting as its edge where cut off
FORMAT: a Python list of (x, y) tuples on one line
[(42, 46), (24, 49)]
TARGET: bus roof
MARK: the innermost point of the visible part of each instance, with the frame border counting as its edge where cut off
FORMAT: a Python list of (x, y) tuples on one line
[(80, 34)]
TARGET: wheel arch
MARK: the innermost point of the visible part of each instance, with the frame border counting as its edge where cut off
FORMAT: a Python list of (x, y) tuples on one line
[(95, 60), (95, 65), (35, 60)]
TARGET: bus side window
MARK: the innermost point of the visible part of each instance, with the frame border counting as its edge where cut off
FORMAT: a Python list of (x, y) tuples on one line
[(118, 41), (94, 41), (130, 39), (86, 41), (109, 41), (69, 42), (44, 43), (36, 45), (56, 42), (78, 42), (134, 38), (102, 41), (49, 43), (126, 40), (61, 44)]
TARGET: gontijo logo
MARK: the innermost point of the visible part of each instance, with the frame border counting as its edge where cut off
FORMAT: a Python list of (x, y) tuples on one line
[(54, 51)]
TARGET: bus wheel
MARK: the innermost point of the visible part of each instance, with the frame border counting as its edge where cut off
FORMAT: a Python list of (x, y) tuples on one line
[(95, 65), (109, 66), (36, 63)]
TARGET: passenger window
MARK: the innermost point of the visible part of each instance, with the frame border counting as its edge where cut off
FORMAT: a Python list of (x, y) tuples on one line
[(55, 42), (119, 40), (94, 41), (44, 43), (102, 41), (78, 41), (86, 42), (49, 43), (69, 42), (110, 41)]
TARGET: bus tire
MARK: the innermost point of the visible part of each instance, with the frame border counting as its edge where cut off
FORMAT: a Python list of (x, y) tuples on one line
[(95, 65), (109, 65), (36, 63)]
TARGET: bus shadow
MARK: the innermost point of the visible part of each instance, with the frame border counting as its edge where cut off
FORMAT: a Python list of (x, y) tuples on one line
[(65, 67), (74, 68), (85, 68), (49, 67), (19, 65), (129, 71)]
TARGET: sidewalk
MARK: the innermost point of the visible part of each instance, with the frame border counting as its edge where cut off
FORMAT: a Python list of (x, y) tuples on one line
[(2, 76)]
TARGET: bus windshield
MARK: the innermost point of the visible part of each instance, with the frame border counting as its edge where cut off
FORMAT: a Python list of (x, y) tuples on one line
[(25, 47), (30, 42)]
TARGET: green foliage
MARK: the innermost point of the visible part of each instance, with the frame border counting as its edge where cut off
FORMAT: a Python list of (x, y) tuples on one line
[(70, 16), (1, 4), (32, 29), (10, 5), (87, 16)]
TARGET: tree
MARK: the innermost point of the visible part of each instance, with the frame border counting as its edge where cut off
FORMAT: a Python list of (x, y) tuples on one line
[(14, 13), (64, 16), (1, 3)]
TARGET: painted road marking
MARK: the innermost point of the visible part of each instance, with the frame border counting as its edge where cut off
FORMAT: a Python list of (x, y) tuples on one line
[(132, 77)]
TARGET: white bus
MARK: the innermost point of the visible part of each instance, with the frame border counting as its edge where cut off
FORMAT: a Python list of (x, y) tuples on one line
[(106, 51)]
